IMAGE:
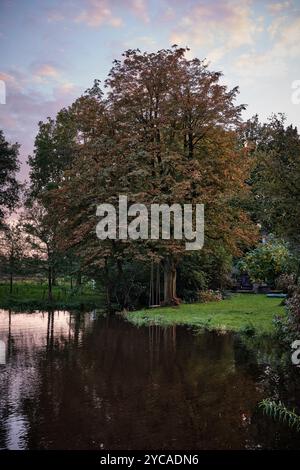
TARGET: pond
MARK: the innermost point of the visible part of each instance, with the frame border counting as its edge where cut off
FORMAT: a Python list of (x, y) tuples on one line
[(85, 381)]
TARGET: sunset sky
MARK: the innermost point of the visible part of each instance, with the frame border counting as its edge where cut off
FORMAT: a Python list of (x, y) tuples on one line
[(51, 51)]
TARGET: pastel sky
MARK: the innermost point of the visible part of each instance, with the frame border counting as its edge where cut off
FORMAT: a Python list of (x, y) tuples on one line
[(51, 51)]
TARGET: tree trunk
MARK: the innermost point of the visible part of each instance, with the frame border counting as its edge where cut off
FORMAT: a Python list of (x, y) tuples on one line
[(10, 283), (53, 277), (120, 294), (50, 283), (120, 268), (191, 145), (170, 275), (78, 279), (108, 286)]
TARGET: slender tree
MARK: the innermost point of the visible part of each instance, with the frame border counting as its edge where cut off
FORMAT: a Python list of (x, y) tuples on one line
[(12, 251), (41, 234), (9, 166)]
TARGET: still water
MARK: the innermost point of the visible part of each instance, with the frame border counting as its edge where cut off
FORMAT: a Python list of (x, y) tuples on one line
[(84, 381)]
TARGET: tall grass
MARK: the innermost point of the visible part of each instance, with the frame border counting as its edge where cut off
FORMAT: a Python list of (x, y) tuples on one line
[(35, 295), (279, 412)]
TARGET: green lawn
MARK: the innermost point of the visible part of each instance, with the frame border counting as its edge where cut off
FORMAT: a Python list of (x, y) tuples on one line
[(28, 294), (241, 313)]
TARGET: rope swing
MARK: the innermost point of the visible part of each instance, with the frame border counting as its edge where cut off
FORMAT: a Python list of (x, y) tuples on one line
[(154, 291)]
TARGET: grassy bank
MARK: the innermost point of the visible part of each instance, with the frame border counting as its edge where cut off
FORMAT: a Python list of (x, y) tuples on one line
[(31, 295), (241, 313)]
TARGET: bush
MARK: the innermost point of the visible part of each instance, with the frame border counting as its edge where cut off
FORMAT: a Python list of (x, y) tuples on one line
[(190, 278), (189, 295), (209, 296), (289, 325), (293, 305), (266, 262), (248, 330), (286, 283)]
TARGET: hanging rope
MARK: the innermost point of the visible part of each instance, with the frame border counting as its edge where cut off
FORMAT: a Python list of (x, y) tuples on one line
[(151, 286), (157, 285), (154, 288)]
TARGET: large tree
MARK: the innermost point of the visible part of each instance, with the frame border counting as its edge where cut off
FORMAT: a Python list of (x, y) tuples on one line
[(179, 123), (164, 133)]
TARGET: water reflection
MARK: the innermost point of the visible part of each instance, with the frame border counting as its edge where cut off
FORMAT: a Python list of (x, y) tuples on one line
[(80, 381)]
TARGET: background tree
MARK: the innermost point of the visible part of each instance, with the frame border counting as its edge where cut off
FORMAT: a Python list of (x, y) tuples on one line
[(9, 166), (12, 251), (53, 152), (275, 178), (41, 234)]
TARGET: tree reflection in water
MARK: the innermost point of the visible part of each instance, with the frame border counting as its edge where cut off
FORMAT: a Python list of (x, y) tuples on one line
[(82, 381)]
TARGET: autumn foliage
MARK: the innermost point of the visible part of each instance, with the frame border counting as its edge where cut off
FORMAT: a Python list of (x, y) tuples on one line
[(164, 130)]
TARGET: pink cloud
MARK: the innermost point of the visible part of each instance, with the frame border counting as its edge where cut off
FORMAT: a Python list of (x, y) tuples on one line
[(139, 9), (47, 70), (221, 26), (98, 13), (276, 59), (10, 80), (24, 108), (279, 6), (54, 16)]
